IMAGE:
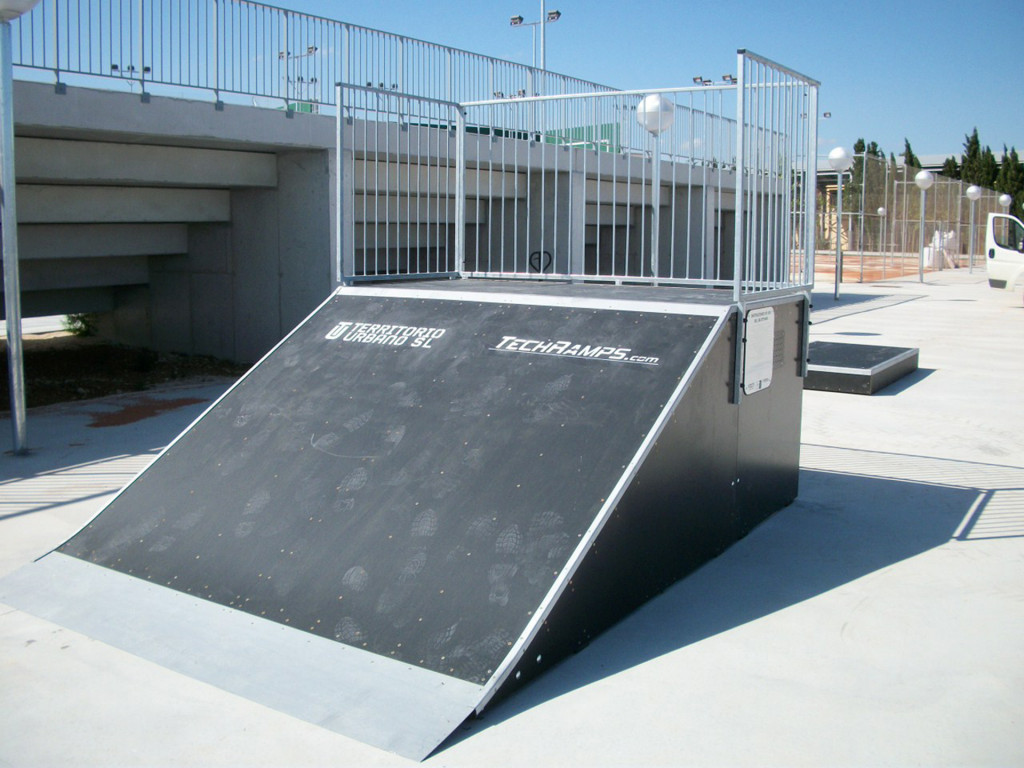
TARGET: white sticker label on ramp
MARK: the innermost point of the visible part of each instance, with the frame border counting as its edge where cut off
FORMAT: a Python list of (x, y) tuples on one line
[(758, 349)]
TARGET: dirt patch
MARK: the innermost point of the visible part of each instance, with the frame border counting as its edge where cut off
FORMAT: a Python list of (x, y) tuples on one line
[(60, 368), (139, 408)]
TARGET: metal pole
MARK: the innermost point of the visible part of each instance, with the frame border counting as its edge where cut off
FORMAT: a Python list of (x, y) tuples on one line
[(543, 27), (460, 191), (920, 255), (9, 227), (141, 29), (863, 195), (839, 232), (811, 193), (970, 252), (881, 241), (740, 226), (339, 182), (885, 204), (655, 205)]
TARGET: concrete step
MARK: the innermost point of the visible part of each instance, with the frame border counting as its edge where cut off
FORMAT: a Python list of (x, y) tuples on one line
[(61, 161), (67, 241), (61, 274), (65, 204)]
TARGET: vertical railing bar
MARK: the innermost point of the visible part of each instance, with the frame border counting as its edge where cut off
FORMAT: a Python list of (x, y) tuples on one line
[(340, 199), (387, 122), (770, 255), (810, 188), (142, 45), (741, 161), (460, 191), (56, 41)]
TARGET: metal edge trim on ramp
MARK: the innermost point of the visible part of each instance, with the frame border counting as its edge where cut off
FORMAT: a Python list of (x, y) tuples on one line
[(344, 689), (567, 573), (534, 299)]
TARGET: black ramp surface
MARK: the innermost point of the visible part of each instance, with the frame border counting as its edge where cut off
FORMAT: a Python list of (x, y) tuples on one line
[(403, 475)]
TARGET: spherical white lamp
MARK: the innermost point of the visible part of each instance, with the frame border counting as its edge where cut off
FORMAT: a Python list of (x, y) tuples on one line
[(12, 9), (1005, 200), (924, 180), (840, 159), (655, 113), (973, 193)]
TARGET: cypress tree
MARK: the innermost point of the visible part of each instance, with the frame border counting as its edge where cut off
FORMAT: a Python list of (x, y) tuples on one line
[(909, 158), (988, 169), (970, 161), (1011, 179)]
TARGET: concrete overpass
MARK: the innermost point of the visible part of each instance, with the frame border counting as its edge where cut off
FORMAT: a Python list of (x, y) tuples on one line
[(189, 226)]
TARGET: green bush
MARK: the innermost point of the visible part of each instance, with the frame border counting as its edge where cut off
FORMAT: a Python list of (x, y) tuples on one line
[(82, 324)]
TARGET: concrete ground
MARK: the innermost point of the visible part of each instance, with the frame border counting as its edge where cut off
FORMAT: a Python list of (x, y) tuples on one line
[(878, 620)]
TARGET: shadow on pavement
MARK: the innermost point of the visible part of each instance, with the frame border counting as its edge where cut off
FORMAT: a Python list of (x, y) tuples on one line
[(841, 528)]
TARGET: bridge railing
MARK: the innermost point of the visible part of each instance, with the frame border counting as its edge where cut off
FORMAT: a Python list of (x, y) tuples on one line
[(236, 48)]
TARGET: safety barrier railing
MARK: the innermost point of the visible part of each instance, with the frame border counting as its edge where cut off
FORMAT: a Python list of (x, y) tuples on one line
[(398, 185), (775, 190), (238, 48), (575, 186), (709, 186)]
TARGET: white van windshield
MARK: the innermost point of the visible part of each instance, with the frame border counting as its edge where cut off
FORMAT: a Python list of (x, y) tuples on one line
[(1008, 233)]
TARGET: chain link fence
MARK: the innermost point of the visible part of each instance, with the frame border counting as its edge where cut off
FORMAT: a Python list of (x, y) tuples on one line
[(881, 226)]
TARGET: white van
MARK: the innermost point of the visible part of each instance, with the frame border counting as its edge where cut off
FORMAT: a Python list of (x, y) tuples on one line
[(1004, 248)]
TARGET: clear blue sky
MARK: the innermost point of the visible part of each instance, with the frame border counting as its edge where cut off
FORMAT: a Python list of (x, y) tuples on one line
[(930, 71)]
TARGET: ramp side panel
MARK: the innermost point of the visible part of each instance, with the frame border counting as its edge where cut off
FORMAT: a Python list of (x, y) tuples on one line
[(679, 512), (351, 692), (415, 498), (769, 425), (716, 471)]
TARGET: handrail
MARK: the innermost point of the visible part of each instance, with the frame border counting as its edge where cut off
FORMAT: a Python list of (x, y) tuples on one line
[(241, 48)]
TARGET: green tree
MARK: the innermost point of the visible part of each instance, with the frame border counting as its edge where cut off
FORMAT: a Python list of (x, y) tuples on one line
[(988, 169), (909, 158), (970, 160), (854, 193), (1011, 179), (851, 190), (950, 168)]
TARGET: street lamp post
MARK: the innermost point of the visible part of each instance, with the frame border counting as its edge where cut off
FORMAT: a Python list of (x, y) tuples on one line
[(840, 160), (881, 237), (924, 181), (973, 193), (9, 11), (546, 17), (656, 114)]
